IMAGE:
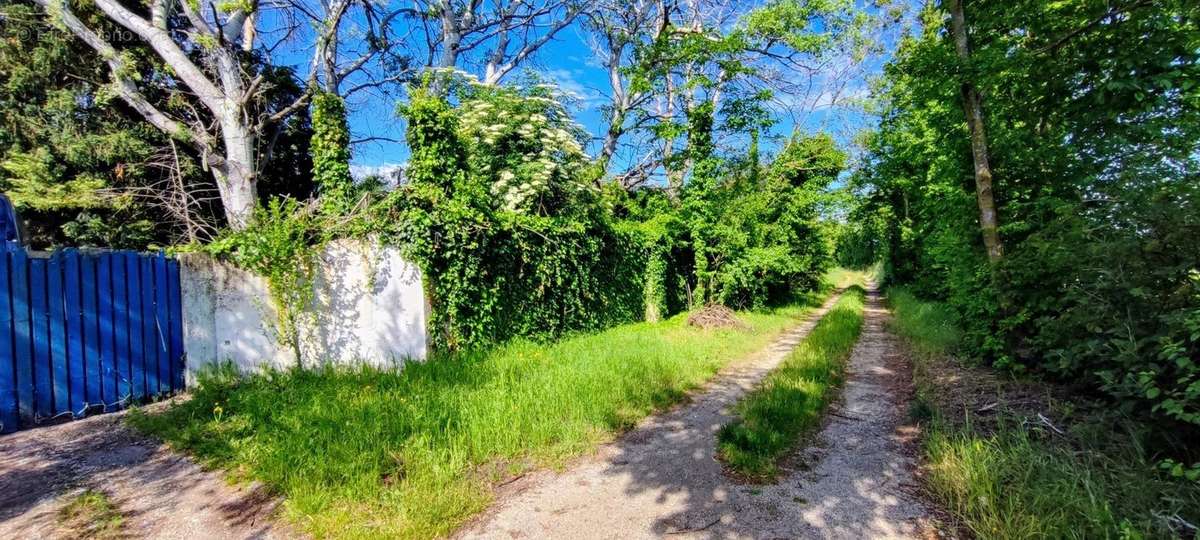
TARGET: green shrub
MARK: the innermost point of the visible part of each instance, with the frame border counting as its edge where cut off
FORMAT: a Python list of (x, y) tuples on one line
[(502, 216)]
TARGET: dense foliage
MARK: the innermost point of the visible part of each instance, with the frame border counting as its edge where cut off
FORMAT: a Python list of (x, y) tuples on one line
[(517, 229), (503, 212), (506, 222), (65, 149), (1093, 117), (764, 232)]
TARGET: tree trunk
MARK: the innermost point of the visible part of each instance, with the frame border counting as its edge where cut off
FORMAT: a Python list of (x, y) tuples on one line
[(237, 178), (616, 127), (973, 107)]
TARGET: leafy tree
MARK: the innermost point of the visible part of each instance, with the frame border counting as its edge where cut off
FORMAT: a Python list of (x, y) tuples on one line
[(85, 168), (199, 72), (66, 151), (1093, 118)]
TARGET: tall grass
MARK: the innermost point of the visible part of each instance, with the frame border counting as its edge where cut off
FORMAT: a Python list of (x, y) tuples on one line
[(1013, 481), (412, 454), (790, 400), (929, 327)]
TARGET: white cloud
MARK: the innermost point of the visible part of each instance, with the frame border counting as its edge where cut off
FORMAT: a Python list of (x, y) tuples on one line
[(568, 81), (391, 173)]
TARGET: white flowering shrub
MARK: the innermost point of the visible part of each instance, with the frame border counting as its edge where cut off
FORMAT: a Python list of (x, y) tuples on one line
[(525, 146)]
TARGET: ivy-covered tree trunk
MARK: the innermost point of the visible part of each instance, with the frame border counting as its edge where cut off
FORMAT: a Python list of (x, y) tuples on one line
[(973, 107), (330, 150), (697, 197)]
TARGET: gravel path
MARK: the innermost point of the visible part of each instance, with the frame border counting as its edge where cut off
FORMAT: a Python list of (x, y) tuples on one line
[(160, 494), (662, 479)]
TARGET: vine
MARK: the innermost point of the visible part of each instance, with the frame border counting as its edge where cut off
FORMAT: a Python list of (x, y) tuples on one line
[(330, 149), (502, 214), (699, 205), (280, 244)]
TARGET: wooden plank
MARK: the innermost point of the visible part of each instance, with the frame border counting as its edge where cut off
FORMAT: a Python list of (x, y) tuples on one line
[(74, 306), (175, 341), (149, 332), (133, 327), (9, 420), (120, 328), (162, 323), (43, 395), (23, 334), (60, 384), (90, 318)]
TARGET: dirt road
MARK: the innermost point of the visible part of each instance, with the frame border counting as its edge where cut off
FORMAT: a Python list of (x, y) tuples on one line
[(662, 479), (160, 494)]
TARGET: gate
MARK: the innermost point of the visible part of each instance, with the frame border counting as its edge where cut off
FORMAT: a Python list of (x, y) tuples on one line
[(85, 331)]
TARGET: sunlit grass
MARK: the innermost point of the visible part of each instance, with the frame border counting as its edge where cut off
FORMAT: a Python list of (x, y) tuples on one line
[(368, 453), (1012, 480), (789, 403), (842, 278), (929, 327)]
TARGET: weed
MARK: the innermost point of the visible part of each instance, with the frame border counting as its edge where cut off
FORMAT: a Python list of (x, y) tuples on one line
[(91, 515), (1001, 476)]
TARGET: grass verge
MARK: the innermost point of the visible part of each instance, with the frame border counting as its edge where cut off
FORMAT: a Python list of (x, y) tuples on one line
[(843, 278), (91, 515), (1003, 472), (790, 400), (413, 454)]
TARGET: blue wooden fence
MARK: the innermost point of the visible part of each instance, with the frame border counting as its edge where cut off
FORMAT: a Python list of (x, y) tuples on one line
[(85, 331)]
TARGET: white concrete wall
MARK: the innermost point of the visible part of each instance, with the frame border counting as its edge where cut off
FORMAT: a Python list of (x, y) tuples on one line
[(368, 307)]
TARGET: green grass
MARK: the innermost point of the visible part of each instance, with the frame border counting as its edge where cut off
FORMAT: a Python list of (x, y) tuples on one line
[(789, 403), (90, 515), (1002, 477), (929, 327), (413, 454), (842, 278)]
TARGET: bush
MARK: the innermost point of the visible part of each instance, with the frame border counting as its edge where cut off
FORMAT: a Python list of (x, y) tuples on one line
[(1110, 296), (503, 216)]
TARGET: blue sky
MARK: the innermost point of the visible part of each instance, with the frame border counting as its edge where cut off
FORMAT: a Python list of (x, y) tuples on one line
[(567, 60)]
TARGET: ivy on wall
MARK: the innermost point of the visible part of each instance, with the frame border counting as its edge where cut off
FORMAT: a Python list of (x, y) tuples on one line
[(281, 245), (502, 215), (502, 212)]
